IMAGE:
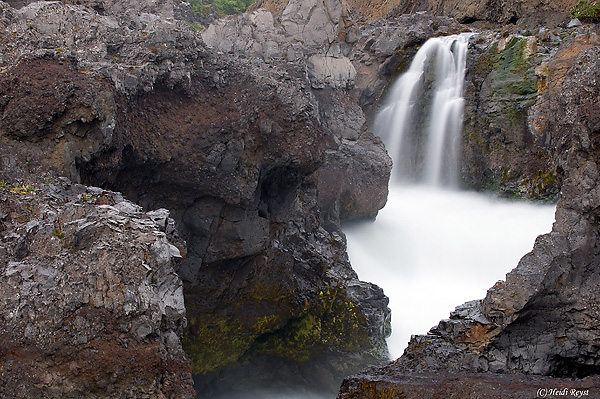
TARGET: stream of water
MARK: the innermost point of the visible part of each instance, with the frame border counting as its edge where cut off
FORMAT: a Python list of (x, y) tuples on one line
[(434, 247)]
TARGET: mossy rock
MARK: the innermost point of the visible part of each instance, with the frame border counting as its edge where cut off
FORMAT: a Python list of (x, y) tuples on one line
[(540, 186), (514, 66), (267, 321), (334, 322)]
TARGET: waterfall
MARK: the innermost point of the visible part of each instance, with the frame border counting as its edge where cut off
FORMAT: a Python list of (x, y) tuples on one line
[(421, 121), (431, 248)]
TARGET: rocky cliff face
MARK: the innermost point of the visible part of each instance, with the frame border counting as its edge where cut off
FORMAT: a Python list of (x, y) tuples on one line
[(256, 166), (500, 151), (253, 134), (522, 13), (542, 321)]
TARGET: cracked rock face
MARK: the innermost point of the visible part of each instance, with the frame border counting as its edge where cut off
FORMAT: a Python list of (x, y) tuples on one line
[(91, 301)]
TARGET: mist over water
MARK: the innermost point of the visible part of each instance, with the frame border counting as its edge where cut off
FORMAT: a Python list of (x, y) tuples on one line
[(432, 249)]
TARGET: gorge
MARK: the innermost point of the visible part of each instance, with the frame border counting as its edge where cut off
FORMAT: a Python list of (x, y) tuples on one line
[(433, 245), (172, 197)]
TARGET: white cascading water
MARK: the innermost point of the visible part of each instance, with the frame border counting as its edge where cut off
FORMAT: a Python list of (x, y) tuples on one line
[(422, 119), (433, 247)]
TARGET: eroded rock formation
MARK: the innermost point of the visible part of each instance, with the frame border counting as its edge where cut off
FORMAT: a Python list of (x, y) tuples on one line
[(256, 168)]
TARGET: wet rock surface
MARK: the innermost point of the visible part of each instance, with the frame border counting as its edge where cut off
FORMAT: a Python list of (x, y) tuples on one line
[(500, 151), (389, 383)]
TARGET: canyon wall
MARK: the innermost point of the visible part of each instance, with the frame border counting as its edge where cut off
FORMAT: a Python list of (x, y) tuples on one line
[(254, 134), (257, 161)]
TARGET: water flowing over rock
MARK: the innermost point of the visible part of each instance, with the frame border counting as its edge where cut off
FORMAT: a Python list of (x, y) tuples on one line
[(421, 122), (254, 134), (538, 328)]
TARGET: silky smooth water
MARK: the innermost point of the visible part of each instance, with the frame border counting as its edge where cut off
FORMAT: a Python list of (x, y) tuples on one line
[(432, 249), (421, 120)]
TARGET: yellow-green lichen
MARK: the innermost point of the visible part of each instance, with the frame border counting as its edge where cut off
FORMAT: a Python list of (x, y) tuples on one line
[(333, 321), (539, 184), (213, 344)]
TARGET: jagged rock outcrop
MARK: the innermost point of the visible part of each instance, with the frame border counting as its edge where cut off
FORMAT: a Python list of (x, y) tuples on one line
[(92, 306), (542, 321), (234, 146), (252, 134)]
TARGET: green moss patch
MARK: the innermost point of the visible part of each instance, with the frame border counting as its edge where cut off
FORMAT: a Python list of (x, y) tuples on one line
[(514, 68), (260, 325), (539, 185), (587, 11), (334, 321)]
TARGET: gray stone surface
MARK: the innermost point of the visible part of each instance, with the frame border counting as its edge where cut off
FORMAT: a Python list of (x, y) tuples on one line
[(87, 281)]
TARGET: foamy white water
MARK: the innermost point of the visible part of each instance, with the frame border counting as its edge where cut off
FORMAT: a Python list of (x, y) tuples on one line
[(432, 250)]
